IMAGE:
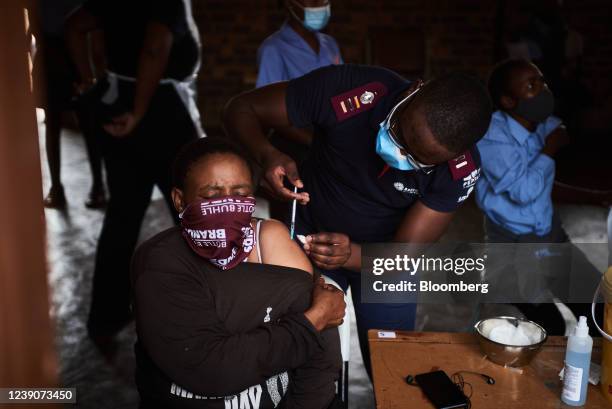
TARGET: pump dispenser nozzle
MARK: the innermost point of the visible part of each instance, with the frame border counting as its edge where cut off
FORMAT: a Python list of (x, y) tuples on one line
[(582, 329)]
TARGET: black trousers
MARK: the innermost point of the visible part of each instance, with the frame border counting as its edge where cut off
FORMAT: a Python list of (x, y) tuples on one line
[(134, 165)]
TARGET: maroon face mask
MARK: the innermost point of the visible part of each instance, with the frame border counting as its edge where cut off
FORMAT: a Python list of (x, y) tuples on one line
[(219, 230)]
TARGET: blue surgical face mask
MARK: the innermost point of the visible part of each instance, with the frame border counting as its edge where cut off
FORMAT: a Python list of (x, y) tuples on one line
[(315, 18), (387, 149)]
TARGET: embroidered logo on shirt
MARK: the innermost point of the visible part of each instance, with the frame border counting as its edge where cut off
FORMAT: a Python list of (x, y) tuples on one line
[(470, 180), (462, 165), (467, 194), (399, 186), (367, 97), (357, 100), (267, 317)]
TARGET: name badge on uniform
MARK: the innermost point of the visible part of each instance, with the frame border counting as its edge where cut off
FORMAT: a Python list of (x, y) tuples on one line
[(357, 100), (462, 166)]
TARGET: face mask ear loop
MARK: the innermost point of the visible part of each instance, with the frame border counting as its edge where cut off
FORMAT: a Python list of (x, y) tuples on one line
[(601, 331)]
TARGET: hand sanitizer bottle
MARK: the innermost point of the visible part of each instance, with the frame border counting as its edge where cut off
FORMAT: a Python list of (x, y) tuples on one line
[(577, 363)]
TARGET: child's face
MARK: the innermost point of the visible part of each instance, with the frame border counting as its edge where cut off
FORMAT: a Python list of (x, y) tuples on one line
[(526, 82), (527, 96)]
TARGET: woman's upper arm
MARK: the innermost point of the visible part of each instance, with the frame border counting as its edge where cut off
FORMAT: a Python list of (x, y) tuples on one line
[(277, 247)]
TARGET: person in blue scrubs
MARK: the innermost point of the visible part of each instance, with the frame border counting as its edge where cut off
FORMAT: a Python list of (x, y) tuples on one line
[(298, 47), (518, 172)]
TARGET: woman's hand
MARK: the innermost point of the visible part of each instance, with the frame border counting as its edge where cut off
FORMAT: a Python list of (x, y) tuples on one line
[(328, 307)]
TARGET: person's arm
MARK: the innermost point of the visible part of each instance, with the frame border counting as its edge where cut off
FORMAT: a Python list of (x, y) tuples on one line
[(301, 136), (78, 26), (247, 117), (301, 103), (556, 140), (278, 248), (330, 251), (508, 171), (271, 69), (421, 224), (312, 385), (178, 326), (151, 67)]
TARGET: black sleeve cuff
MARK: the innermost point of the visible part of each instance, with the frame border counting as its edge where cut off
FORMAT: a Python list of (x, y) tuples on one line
[(301, 320)]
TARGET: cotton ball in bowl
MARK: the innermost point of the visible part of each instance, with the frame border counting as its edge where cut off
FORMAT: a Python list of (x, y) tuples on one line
[(510, 341)]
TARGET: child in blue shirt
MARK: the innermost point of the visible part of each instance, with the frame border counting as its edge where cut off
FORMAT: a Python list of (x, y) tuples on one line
[(518, 172), (517, 157), (514, 191)]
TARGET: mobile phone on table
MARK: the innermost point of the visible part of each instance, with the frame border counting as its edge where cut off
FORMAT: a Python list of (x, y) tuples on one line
[(441, 390)]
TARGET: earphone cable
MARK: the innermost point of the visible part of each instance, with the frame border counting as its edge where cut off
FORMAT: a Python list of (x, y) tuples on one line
[(458, 380)]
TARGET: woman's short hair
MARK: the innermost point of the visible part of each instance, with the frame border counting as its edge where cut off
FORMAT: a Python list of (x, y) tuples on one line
[(196, 150)]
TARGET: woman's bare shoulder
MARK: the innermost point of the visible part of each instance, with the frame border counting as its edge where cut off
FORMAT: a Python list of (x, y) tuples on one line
[(273, 226), (278, 248)]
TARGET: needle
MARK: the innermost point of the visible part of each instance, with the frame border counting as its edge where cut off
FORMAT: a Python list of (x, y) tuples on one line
[(292, 231)]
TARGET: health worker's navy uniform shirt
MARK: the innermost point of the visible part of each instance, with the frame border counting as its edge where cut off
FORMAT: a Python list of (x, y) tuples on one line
[(351, 189)]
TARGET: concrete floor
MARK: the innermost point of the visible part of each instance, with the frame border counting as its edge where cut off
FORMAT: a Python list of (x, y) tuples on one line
[(72, 236)]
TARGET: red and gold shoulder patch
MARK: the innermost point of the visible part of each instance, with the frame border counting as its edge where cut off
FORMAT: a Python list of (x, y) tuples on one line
[(357, 100), (462, 165)]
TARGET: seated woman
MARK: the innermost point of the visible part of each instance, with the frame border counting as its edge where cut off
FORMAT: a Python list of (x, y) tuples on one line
[(227, 312)]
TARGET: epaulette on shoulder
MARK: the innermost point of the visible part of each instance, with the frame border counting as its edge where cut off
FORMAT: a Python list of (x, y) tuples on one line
[(357, 100), (462, 166)]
